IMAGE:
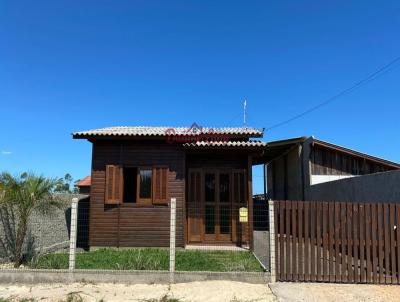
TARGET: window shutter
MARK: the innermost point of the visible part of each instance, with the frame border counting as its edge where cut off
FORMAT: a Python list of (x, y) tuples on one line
[(160, 185), (114, 184)]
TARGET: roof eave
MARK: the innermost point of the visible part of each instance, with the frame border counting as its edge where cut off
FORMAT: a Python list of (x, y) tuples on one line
[(137, 137), (224, 147)]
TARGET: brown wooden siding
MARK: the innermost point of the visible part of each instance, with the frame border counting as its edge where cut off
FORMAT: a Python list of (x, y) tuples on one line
[(330, 162), (131, 225), (220, 159)]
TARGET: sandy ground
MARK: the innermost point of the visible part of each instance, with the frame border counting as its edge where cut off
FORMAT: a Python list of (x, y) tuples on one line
[(203, 291), (325, 292), (194, 291)]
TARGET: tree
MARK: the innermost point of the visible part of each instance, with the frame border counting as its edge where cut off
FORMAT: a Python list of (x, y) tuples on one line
[(67, 181), (24, 195), (63, 184)]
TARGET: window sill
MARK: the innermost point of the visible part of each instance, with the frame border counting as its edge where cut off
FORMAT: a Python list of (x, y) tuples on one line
[(138, 205)]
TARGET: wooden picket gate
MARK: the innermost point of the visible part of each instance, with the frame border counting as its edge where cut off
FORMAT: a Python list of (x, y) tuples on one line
[(337, 242)]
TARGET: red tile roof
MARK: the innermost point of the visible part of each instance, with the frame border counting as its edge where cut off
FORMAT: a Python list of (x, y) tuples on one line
[(87, 181)]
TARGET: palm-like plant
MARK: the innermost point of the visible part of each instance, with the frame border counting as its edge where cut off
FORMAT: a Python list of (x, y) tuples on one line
[(26, 194)]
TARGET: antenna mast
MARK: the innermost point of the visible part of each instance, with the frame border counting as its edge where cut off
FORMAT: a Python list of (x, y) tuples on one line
[(244, 111)]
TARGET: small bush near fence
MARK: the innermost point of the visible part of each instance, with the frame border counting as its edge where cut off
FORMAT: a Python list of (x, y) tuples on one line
[(153, 259)]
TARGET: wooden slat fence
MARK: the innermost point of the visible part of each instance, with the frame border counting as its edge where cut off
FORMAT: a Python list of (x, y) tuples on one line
[(337, 242)]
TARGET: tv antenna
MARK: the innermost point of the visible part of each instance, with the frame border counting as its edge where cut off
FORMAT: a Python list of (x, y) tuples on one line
[(244, 111)]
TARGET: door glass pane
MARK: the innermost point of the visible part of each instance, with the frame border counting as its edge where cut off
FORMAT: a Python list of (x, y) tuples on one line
[(210, 220), (210, 187), (145, 183), (224, 187), (224, 220), (241, 188), (236, 194)]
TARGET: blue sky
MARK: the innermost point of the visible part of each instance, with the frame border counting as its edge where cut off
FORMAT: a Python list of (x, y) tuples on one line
[(74, 65)]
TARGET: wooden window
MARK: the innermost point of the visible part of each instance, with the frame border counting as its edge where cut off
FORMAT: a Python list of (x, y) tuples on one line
[(114, 184), (160, 185), (140, 185)]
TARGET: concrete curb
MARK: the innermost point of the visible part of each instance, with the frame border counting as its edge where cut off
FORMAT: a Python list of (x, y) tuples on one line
[(33, 276)]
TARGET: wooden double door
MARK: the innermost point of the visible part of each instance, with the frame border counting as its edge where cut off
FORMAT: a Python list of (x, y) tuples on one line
[(214, 199)]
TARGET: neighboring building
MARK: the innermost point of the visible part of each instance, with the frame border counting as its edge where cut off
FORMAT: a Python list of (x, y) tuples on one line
[(83, 185), (310, 169), (137, 170)]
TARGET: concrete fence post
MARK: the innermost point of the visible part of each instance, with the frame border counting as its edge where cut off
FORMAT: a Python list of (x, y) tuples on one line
[(272, 240), (172, 239), (72, 239)]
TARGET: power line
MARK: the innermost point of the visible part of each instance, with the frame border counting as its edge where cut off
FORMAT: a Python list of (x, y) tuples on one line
[(235, 118), (381, 71)]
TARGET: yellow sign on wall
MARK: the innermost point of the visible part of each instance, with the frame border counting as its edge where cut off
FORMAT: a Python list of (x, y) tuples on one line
[(243, 215)]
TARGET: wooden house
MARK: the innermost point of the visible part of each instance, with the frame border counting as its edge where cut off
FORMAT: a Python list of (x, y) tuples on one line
[(137, 170), (83, 185)]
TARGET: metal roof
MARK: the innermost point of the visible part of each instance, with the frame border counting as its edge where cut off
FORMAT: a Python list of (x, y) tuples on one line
[(275, 149), (143, 131)]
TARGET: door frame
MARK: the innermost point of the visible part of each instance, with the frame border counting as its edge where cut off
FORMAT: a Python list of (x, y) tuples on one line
[(236, 235), (191, 237)]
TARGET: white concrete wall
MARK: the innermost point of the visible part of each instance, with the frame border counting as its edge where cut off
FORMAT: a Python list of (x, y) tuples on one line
[(318, 179)]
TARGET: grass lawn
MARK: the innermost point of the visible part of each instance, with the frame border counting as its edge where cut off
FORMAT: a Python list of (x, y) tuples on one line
[(154, 259)]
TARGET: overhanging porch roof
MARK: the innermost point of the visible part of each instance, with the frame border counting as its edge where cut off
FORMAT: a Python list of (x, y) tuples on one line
[(276, 148)]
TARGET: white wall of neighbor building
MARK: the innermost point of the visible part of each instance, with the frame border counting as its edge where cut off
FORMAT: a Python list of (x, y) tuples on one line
[(318, 179)]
